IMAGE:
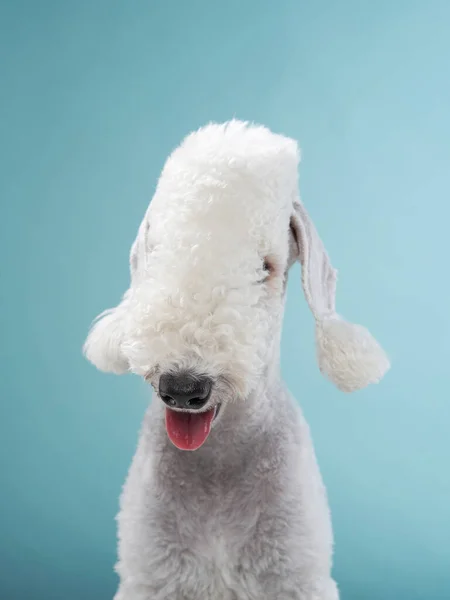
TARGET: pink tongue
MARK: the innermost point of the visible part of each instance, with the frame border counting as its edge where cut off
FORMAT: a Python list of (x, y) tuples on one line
[(188, 431)]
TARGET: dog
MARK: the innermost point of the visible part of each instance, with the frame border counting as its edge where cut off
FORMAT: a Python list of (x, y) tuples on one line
[(224, 499)]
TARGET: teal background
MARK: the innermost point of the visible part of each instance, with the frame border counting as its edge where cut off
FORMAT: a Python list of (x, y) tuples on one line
[(94, 95)]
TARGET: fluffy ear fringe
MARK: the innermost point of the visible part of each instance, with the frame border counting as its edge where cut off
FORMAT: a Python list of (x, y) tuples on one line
[(349, 355), (103, 344)]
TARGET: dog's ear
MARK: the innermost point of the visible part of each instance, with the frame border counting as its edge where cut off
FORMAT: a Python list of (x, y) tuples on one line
[(347, 354), (103, 346)]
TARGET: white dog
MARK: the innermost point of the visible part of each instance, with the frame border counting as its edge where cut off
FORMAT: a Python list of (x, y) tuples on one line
[(245, 516)]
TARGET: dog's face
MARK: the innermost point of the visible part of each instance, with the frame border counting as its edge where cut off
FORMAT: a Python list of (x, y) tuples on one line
[(203, 314)]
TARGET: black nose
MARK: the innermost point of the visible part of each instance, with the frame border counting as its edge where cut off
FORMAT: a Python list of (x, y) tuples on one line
[(184, 390)]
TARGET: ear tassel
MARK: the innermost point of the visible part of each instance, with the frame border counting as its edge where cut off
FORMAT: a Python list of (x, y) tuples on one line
[(103, 344), (348, 355)]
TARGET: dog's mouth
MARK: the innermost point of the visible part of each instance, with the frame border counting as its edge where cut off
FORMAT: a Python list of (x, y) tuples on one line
[(190, 430)]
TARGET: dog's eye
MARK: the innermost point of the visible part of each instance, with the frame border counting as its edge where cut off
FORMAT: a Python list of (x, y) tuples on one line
[(268, 268)]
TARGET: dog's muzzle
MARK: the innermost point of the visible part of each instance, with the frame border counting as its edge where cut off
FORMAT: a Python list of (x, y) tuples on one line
[(185, 395)]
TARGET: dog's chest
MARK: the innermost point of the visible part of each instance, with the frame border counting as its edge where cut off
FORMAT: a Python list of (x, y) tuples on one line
[(218, 508)]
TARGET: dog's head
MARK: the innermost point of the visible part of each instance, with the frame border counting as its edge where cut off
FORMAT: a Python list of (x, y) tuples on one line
[(202, 317)]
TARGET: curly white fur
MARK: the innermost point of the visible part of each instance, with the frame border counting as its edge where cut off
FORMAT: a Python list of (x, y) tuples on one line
[(349, 355), (245, 516)]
